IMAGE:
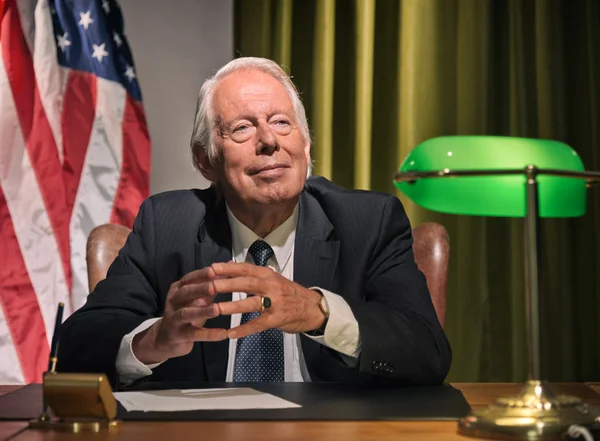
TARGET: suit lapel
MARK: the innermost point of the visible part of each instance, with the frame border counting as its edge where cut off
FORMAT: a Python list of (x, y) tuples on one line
[(215, 246), (315, 258)]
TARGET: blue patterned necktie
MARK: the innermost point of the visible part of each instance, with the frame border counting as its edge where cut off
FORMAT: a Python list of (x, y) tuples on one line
[(259, 357)]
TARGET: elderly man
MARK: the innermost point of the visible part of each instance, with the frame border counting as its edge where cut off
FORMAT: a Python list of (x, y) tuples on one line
[(266, 275)]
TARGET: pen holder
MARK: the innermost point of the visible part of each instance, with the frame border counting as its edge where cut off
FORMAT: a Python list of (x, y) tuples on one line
[(77, 403)]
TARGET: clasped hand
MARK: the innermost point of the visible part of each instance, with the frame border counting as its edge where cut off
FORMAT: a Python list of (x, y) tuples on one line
[(190, 303)]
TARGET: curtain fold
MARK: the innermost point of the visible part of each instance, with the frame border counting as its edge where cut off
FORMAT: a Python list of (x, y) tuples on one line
[(365, 36), (380, 76), (282, 52), (323, 73)]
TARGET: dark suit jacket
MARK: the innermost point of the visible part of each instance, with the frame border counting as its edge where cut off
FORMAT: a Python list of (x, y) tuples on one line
[(356, 244)]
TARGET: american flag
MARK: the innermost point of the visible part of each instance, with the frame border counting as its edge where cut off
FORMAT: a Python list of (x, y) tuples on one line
[(74, 153)]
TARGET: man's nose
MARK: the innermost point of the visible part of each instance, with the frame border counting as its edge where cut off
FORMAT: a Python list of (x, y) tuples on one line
[(267, 140)]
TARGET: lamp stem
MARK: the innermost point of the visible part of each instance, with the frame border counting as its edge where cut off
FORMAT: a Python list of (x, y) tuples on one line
[(532, 298)]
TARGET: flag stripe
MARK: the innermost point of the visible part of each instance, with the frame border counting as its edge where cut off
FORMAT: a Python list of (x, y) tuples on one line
[(21, 309), (11, 372), (26, 11), (79, 111), (99, 180), (133, 184), (36, 130), (37, 244), (48, 73)]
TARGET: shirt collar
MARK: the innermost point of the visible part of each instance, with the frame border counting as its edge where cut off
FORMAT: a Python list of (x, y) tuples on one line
[(280, 239)]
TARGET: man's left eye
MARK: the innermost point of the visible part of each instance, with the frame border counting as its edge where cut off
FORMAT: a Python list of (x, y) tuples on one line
[(281, 123)]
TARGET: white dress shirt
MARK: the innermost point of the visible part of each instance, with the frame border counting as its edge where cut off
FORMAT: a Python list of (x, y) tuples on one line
[(341, 332)]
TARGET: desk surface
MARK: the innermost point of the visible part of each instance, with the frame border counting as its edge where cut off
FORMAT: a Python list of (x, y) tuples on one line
[(594, 386), (7, 389), (477, 394)]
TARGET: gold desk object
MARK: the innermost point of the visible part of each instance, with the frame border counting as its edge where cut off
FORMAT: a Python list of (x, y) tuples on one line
[(536, 413), (77, 403)]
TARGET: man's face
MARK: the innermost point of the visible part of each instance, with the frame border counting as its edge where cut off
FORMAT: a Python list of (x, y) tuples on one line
[(262, 156)]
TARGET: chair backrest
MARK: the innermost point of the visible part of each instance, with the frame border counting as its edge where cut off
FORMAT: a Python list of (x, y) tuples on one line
[(103, 245), (432, 251)]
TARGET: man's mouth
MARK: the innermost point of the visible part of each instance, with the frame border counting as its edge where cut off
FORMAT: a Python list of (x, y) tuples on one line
[(266, 169)]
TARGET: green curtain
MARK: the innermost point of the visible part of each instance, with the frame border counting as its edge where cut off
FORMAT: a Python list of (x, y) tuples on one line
[(379, 76)]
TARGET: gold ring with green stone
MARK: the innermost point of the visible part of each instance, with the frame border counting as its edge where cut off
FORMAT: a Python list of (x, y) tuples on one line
[(265, 303)]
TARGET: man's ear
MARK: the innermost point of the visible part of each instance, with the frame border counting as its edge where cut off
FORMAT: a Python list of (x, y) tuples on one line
[(205, 166), (307, 149), (307, 152)]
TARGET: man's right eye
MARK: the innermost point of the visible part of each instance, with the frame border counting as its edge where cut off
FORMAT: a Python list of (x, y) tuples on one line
[(241, 128)]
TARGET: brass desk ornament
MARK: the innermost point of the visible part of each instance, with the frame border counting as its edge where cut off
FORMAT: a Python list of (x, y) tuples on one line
[(77, 403), (74, 402)]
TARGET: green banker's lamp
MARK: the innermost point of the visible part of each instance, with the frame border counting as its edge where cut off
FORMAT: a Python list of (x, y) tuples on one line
[(510, 177)]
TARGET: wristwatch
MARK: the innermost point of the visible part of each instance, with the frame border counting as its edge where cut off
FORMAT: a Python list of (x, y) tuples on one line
[(324, 307)]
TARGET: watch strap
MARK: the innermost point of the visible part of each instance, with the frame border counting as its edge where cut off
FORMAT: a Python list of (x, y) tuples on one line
[(319, 332)]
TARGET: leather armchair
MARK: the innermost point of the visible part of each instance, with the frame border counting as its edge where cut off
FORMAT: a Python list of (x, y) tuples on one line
[(432, 251), (103, 245)]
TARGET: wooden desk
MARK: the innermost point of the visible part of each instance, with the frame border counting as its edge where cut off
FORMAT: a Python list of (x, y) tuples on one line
[(9, 428), (477, 394), (7, 389), (594, 386)]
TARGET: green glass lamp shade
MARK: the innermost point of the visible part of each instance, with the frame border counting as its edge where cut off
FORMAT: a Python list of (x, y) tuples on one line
[(497, 195)]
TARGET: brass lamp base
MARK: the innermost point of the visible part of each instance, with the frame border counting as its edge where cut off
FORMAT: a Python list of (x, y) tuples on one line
[(536, 413)]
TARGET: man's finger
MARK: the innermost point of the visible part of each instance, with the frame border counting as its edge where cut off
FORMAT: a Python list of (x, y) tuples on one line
[(198, 276), (192, 314), (249, 304), (249, 285), (254, 326), (192, 333), (232, 269), (193, 292), (203, 301)]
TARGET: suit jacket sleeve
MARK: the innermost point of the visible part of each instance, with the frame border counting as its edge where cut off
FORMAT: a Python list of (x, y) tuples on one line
[(402, 339), (92, 335)]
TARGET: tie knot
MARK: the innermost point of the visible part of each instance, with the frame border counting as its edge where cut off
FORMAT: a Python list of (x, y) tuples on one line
[(261, 252)]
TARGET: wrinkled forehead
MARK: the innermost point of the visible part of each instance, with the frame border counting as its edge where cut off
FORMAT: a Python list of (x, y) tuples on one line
[(249, 93)]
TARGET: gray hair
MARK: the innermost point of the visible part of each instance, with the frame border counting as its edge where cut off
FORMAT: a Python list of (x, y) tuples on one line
[(204, 121)]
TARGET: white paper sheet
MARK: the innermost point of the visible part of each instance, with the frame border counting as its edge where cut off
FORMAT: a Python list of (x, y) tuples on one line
[(170, 400)]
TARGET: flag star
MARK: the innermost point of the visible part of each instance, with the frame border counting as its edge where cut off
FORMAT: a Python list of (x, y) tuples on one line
[(106, 6), (53, 10), (99, 52), (129, 72), (86, 19), (63, 42), (117, 39)]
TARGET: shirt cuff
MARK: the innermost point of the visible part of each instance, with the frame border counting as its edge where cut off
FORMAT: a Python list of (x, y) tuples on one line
[(128, 366), (341, 332)]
